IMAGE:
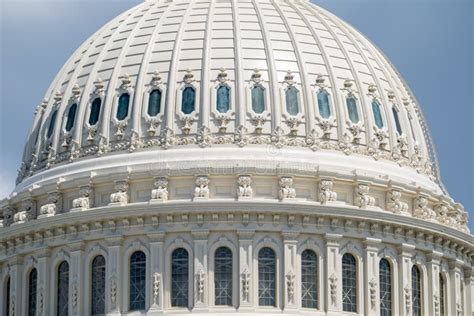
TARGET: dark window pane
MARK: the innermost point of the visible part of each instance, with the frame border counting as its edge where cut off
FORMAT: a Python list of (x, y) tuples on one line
[(7, 297), (122, 109), (179, 278), (309, 279), (187, 104), (292, 103), (32, 286), (416, 290), (352, 109), (223, 276), (266, 277), (52, 121), (98, 286), (71, 116), (62, 295), (95, 111), (377, 114), (385, 281), (323, 104), (349, 283), (137, 281), (442, 301), (258, 99), (154, 103), (223, 99), (397, 121)]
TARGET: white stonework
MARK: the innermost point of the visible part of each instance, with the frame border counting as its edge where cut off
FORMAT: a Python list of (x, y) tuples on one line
[(238, 177)]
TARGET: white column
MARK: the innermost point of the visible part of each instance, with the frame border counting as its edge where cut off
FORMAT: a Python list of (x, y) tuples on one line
[(43, 287), (371, 279), (290, 242), (469, 288), (201, 283), (76, 281), (16, 270), (246, 291), (114, 275), (157, 262), (433, 267), (404, 273), (456, 307), (333, 278)]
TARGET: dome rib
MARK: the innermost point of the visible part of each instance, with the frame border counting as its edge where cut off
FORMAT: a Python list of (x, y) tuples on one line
[(239, 72), (205, 103)]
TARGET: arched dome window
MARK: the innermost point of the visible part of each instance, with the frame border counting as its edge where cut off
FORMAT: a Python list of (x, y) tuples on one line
[(179, 278), (223, 99), (52, 121), (292, 103), (266, 277), (377, 113), (32, 287), (442, 296), (188, 100), (258, 99), (398, 126), (137, 281), (98, 286), (95, 111), (122, 108), (62, 304), (385, 281), (6, 309), (154, 103), (416, 290), (309, 279), (71, 116), (323, 104), (349, 283), (223, 276), (351, 103)]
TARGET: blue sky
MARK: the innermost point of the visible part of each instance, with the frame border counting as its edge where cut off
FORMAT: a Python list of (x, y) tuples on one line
[(429, 41)]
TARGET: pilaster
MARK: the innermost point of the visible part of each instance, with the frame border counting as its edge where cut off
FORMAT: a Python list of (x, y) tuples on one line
[(456, 307), (246, 293), (371, 276), (332, 276), (114, 275), (76, 283), (43, 287), (290, 242), (201, 297), (434, 292), (469, 289), (15, 270), (404, 275), (157, 262)]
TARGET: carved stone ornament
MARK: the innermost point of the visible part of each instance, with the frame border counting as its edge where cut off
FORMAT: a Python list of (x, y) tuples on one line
[(356, 131), (326, 126), (160, 193), (83, 202), (20, 218), (290, 285), (381, 137), (200, 277), (51, 208), (442, 212), (245, 277), (126, 81), (286, 188), (256, 76), (373, 293), (74, 294), (156, 288), (421, 209), (240, 136), (120, 128), (91, 133), (28, 205), (362, 197), (407, 291), (222, 76), (333, 288), (167, 138), (153, 124), (244, 190), (99, 86), (120, 196), (202, 187), (436, 304), (113, 290), (325, 191), (156, 79), (188, 77), (203, 137), (394, 202)]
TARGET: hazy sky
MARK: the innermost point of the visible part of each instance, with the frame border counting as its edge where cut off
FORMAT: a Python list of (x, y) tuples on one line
[(429, 41)]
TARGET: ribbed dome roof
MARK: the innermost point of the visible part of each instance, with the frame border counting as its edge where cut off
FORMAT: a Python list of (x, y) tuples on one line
[(297, 53)]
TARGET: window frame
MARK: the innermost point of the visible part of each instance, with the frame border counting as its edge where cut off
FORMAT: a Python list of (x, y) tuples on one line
[(235, 273), (318, 280), (299, 98), (132, 248), (357, 282), (128, 271), (315, 92), (89, 110), (421, 299), (56, 284), (276, 250), (179, 243), (392, 269), (91, 283), (179, 99), (360, 114)]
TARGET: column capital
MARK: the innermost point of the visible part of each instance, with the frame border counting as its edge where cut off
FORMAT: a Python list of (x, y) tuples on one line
[(156, 237), (332, 239), (77, 246), (406, 249), (372, 243), (200, 234), (245, 234), (456, 264), (290, 236), (434, 256), (114, 241)]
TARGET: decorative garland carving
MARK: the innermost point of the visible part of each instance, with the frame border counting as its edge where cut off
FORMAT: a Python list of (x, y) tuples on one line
[(244, 190), (325, 191), (286, 188), (362, 197), (245, 276), (160, 193)]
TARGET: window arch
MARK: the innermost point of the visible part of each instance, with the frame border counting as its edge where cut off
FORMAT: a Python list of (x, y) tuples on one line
[(154, 102), (266, 277), (98, 285), (323, 104), (137, 281), (309, 279), (179, 278), (377, 113), (71, 116), (223, 276), (188, 100), (32, 287), (351, 103), (223, 99), (122, 108), (7, 296), (416, 290), (396, 118), (442, 296), (349, 283), (258, 99), (62, 305), (385, 282), (292, 102), (95, 111), (52, 122)]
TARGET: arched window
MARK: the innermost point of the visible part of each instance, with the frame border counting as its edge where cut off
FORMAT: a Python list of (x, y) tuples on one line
[(258, 99), (154, 102), (98, 286), (7, 297), (179, 278), (385, 281), (416, 290), (52, 121), (223, 99), (95, 111), (223, 276), (377, 113), (137, 281), (349, 283), (397, 121), (266, 277), (62, 295), (352, 109), (292, 103), (122, 108), (71, 116), (309, 279), (442, 296), (323, 104), (188, 100), (32, 286)]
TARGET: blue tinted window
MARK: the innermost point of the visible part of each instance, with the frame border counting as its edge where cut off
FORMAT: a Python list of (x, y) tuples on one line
[(98, 286), (352, 109), (137, 281), (71, 116), (349, 283), (258, 99), (385, 281), (32, 287), (62, 295), (122, 109), (309, 279), (223, 276), (266, 277), (154, 103), (223, 99), (292, 103), (323, 104), (52, 121), (397, 121), (416, 290), (187, 104), (179, 278), (95, 111), (377, 114)]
